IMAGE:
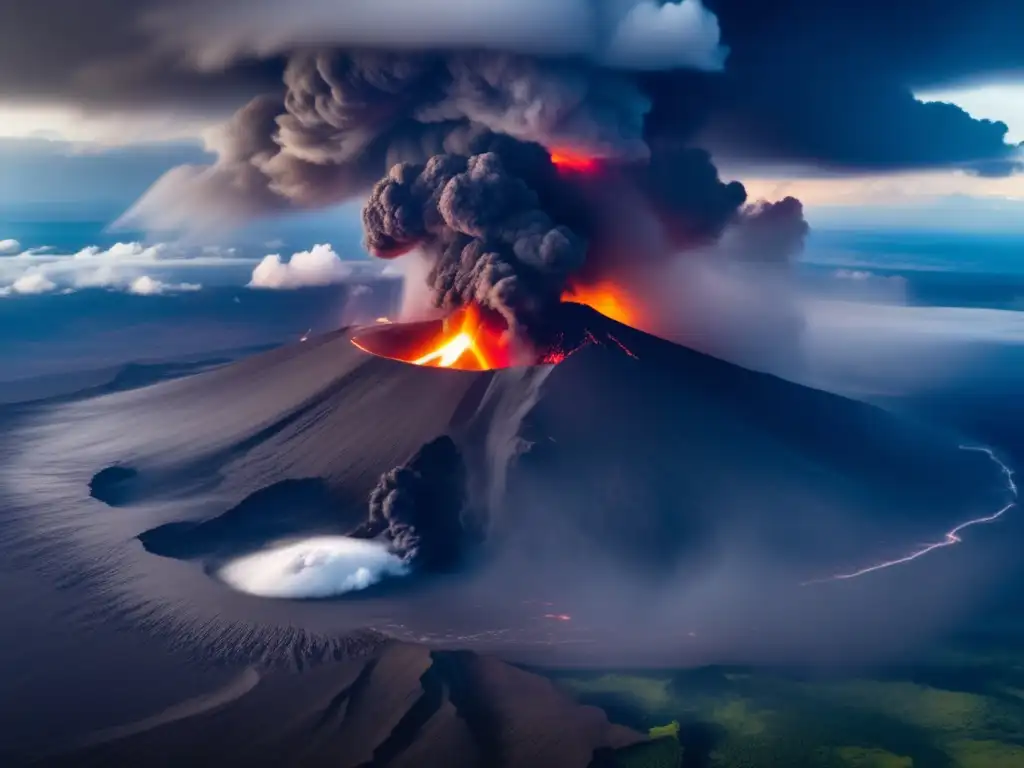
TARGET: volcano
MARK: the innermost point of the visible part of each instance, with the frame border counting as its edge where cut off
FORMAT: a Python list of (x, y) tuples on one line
[(586, 496)]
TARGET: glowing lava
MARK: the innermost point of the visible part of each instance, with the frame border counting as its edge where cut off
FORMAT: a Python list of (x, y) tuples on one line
[(466, 348), (567, 160), (466, 340), (607, 299), (476, 339), (448, 354)]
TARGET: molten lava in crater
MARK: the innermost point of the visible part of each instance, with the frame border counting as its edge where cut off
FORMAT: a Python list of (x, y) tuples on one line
[(465, 340), (472, 339)]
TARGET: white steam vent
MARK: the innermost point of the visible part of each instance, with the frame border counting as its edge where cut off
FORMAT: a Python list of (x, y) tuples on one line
[(323, 566)]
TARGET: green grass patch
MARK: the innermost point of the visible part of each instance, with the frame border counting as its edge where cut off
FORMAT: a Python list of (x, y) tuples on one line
[(867, 757), (652, 694), (986, 754)]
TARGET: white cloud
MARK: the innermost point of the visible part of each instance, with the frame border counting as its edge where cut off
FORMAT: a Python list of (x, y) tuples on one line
[(149, 269), (29, 283), (147, 286), (320, 265), (93, 130), (122, 266), (9, 246), (653, 36), (622, 33)]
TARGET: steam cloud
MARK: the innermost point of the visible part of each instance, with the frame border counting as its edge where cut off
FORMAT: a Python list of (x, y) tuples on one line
[(322, 566), (418, 507)]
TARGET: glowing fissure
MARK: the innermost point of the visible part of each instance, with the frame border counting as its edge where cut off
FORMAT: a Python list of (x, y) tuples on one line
[(449, 354), (623, 347), (951, 536), (451, 351)]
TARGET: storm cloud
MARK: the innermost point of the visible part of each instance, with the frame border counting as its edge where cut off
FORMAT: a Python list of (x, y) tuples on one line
[(822, 83)]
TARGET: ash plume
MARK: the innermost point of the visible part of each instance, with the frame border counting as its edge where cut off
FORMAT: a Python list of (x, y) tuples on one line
[(491, 241), (418, 507), (768, 232), (346, 116), (445, 121)]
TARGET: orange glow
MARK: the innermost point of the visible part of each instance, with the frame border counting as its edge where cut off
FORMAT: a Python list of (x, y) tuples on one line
[(466, 340), (382, 320), (607, 299), (462, 343), (567, 160)]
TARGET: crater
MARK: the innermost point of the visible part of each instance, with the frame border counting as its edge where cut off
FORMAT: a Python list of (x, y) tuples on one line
[(114, 486), (286, 510)]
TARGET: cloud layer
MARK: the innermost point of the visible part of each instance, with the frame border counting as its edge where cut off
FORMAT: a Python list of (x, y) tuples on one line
[(138, 268), (320, 265), (825, 83)]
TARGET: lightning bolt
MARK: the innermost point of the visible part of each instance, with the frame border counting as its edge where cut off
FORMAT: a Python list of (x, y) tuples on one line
[(951, 536)]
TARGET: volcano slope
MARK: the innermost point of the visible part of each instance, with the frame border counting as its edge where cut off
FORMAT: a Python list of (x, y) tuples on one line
[(401, 706), (635, 494)]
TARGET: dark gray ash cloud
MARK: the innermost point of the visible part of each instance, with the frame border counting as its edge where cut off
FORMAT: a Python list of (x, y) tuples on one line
[(346, 117), (418, 507), (491, 241)]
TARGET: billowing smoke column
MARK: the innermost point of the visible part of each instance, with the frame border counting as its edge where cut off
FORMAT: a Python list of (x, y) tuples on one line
[(418, 507), (491, 241), (455, 151)]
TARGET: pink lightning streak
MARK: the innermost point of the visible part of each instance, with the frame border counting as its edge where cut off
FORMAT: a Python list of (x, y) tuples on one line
[(950, 538)]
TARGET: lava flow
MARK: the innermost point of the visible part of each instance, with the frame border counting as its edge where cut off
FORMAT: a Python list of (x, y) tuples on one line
[(465, 341), (451, 351), (476, 339)]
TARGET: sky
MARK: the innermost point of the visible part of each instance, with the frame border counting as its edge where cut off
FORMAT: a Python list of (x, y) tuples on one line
[(871, 116)]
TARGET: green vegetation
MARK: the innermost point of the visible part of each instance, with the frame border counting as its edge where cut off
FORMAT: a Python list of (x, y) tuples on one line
[(859, 757), (663, 731), (652, 694), (964, 711), (986, 754), (658, 753), (740, 719), (924, 707), (662, 751)]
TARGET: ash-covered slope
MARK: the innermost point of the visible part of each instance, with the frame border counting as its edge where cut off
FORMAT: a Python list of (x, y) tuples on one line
[(652, 445), (650, 452), (402, 707), (320, 409), (636, 493)]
